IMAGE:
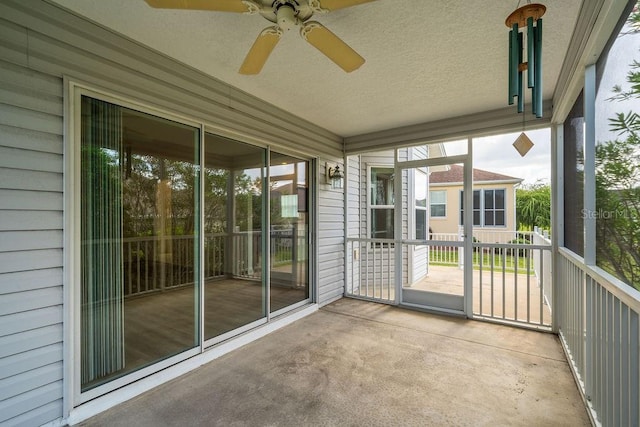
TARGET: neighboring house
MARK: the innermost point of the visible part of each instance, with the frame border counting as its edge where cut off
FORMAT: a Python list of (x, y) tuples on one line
[(494, 200)]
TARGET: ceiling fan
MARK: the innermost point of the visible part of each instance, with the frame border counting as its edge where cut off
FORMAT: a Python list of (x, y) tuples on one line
[(286, 14)]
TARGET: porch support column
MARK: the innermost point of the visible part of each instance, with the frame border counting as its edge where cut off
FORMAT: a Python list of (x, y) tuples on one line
[(200, 261), (266, 234), (557, 217), (468, 230), (397, 225), (589, 220), (590, 164), (229, 247)]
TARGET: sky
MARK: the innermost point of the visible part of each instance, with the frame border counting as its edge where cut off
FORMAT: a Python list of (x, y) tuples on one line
[(497, 154), (623, 52)]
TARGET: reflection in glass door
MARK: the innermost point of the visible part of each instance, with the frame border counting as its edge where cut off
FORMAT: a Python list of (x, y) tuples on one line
[(289, 241), (138, 248), (234, 294)]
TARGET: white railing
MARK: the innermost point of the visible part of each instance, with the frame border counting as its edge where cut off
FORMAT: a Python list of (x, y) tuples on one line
[(505, 285), (542, 265), (246, 248), (154, 264), (158, 263), (481, 235), (443, 254), (371, 269), (599, 327)]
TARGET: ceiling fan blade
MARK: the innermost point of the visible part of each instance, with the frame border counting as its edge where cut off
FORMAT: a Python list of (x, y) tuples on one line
[(260, 51), (238, 6), (332, 46), (340, 4)]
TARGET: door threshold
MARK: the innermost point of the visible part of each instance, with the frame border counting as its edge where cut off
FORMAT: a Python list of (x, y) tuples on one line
[(433, 310)]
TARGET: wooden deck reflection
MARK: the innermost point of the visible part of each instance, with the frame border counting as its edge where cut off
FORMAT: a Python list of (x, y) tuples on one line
[(162, 324)]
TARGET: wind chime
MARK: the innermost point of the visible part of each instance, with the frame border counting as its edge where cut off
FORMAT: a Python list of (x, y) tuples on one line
[(525, 20)]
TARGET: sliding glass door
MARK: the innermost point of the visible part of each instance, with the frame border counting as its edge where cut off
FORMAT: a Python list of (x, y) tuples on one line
[(181, 246), (138, 225)]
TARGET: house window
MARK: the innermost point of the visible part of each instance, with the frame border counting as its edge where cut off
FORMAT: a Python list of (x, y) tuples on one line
[(488, 208), (381, 202), (438, 203), (476, 208), (494, 208)]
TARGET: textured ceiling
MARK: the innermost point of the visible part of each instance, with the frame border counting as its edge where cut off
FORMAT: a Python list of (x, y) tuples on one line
[(425, 60)]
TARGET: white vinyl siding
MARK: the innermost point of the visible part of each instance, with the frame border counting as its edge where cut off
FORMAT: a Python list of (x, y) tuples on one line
[(330, 238), (40, 44), (31, 240)]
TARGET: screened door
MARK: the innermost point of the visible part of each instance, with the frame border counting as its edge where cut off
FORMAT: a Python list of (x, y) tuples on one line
[(430, 224)]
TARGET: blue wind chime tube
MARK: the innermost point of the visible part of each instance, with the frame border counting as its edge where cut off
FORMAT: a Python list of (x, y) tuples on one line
[(520, 79), (530, 53), (531, 38), (537, 89), (513, 63)]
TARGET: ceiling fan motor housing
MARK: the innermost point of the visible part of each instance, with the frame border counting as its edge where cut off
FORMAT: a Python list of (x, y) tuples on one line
[(286, 15)]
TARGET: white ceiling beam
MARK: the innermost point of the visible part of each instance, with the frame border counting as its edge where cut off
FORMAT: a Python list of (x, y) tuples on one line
[(494, 122)]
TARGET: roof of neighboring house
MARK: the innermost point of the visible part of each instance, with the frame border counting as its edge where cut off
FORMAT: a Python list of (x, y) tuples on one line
[(455, 176)]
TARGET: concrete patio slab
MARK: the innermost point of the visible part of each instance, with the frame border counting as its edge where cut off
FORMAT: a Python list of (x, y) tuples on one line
[(360, 363)]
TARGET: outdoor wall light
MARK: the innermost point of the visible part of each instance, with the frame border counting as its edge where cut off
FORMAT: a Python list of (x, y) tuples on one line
[(527, 18), (334, 176)]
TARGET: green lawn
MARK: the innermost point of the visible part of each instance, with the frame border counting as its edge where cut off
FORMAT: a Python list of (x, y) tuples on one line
[(498, 259)]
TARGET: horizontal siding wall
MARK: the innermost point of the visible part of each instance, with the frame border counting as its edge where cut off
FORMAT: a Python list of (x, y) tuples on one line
[(330, 237), (31, 240), (40, 44), (353, 178)]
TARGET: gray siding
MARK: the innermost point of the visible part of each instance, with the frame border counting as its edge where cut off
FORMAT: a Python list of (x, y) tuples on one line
[(39, 45), (31, 240), (330, 238)]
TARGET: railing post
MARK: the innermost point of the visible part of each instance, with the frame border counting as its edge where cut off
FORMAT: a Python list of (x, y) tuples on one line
[(460, 248), (294, 254)]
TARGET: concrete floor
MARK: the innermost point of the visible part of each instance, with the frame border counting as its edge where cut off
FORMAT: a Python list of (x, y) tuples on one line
[(360, 363)]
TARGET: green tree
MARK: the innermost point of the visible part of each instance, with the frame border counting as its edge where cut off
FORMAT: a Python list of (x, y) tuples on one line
[(618, 183), (533, 206)]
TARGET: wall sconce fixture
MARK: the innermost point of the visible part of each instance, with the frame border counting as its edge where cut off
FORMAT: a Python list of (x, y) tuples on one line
[(334, 176), (525, 25)]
